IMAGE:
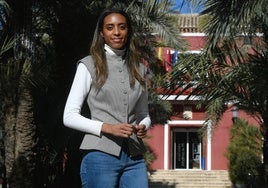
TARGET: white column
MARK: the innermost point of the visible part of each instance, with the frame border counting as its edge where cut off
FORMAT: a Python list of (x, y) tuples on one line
[(166, 154), (208, 161)]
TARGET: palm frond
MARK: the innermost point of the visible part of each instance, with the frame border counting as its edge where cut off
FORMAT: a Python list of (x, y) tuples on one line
[(232, 17), (6, 44), (153, 17)]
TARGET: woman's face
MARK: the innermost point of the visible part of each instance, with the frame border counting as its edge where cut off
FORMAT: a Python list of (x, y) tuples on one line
[(115, 30)]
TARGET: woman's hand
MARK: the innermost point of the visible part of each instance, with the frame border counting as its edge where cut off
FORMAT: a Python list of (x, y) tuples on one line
[(140, 131), (121, 130), (124, 130)]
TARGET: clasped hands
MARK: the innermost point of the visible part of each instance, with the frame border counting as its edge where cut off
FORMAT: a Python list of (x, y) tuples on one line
[(124, 130)]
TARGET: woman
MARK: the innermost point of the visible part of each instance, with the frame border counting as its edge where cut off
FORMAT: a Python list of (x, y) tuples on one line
[(112, 81)]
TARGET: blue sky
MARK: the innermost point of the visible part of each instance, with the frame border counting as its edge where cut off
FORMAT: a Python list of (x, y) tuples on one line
[(183, 7)]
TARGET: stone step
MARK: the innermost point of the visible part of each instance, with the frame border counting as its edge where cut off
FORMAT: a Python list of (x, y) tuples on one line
[(191, 178)]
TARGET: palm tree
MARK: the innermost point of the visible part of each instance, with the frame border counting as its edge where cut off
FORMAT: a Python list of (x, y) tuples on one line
[(19, 127), (233, 66), (20, 73)]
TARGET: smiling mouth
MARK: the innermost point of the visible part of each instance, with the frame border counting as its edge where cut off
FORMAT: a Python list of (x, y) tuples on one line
[(117, 40)]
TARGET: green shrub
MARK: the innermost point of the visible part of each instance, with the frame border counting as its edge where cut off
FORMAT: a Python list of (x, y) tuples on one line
[(244, 152)]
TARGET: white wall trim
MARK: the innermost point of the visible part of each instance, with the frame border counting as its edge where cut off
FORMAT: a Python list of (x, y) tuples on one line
[(166, 151), (203, 34), (186, 122), (166, 136), (208, 161), (193, 34), (179, 98)]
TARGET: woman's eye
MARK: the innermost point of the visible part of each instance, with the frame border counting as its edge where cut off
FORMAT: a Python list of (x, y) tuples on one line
[(123, 27), (109, 28)]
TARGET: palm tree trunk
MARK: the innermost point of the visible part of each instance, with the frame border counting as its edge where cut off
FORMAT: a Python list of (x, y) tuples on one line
[(25, 128), (9, 135), (22, 174)]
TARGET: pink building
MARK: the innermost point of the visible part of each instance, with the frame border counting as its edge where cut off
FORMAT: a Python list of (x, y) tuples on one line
[(177, 144)]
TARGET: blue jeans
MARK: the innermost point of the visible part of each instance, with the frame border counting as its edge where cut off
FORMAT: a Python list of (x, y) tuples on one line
[(102, 170)]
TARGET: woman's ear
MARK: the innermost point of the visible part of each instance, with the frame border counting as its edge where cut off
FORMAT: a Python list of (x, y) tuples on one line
[(101, 33)]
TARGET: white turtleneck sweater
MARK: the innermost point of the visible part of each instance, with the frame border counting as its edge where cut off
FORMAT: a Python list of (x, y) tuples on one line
[(80, 87)]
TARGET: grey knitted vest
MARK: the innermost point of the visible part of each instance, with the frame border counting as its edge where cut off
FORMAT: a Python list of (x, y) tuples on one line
[(114, 103)]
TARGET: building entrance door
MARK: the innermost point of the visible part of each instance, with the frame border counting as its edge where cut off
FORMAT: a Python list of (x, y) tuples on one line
[(186, 150)]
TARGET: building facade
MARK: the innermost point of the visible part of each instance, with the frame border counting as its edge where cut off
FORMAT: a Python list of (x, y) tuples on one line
[(184, 143)]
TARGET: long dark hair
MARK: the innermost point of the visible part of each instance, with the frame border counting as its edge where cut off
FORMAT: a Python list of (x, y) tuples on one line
[(132, 57)]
